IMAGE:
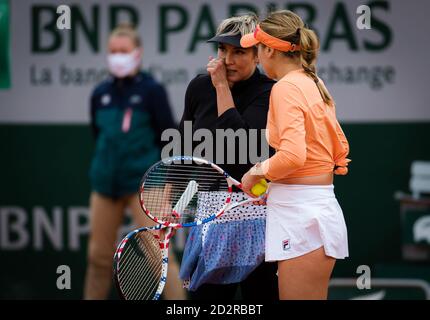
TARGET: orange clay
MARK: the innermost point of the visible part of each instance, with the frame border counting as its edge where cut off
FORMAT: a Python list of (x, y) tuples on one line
[(303, 130)]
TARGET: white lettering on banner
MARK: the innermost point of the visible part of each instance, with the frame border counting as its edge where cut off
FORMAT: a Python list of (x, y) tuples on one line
[(16, 233), (42, 225), (77, 228), (13, 222), (62, 229)]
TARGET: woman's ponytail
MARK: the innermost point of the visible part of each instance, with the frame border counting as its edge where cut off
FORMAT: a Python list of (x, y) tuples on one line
[(309, 46)]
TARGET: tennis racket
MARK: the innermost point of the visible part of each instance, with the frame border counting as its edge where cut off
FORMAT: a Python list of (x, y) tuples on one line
[(140, 263), (174, 189)]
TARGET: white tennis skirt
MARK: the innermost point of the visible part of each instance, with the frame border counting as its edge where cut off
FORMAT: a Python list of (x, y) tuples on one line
[(303, 218)]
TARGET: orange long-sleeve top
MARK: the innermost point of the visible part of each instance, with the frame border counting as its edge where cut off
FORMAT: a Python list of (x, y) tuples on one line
[(303, 130)]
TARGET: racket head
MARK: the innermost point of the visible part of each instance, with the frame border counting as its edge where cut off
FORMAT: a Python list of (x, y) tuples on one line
[(172, 183), (140, 264)]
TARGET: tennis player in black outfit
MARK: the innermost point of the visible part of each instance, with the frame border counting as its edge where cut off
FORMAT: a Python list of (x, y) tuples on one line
[(233, 95)]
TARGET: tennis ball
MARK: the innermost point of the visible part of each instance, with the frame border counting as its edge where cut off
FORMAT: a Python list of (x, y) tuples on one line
[(259, 188)]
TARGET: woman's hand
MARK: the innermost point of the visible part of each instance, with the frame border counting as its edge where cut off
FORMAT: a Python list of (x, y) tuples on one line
[(217, 71), (249, 180)]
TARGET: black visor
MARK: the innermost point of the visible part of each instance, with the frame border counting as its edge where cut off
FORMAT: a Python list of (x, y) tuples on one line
[(232, 40)]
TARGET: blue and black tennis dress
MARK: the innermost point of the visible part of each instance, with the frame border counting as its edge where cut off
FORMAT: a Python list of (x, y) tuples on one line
[(127, 118)]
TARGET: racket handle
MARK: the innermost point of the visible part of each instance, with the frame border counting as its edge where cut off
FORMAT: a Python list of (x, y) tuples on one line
[(185, 199), (259, 188)]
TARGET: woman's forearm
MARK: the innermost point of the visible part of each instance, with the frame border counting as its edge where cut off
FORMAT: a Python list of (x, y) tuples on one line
[(224, 98)]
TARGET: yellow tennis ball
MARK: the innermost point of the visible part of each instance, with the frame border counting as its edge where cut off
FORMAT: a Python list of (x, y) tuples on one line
[(258, 189), (263, 182)]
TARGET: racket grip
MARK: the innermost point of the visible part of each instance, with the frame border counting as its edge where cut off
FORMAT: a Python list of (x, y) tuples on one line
[(185, 199), (259, 188)]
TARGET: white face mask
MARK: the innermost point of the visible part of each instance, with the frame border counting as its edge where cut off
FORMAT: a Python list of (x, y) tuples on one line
[(123, 64)]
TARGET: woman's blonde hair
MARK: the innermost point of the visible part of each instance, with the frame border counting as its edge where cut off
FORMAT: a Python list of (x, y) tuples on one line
[(287, 25), (238, 25), (127, 30)]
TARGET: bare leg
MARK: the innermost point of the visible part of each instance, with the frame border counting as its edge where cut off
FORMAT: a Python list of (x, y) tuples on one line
[(305, 277), (173, 289), (106, 216)]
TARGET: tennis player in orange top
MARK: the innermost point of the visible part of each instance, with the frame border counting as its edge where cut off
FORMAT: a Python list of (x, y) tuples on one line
[(305, 229)]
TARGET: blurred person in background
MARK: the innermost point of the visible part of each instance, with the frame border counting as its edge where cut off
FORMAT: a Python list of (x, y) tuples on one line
[(129, 111)]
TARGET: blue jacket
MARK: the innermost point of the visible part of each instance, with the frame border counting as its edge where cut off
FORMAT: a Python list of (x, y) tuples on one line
[(127, 118)]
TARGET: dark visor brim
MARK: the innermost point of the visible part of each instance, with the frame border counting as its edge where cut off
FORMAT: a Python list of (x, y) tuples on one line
[(232, 40)]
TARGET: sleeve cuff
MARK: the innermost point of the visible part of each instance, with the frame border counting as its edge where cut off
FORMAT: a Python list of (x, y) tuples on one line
[(264, 168), (230, 119)]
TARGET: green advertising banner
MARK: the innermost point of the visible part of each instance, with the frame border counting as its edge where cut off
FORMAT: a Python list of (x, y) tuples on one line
[(4, 45)]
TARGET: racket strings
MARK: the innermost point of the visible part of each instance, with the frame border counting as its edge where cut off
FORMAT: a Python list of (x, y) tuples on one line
[(140, 267), (170, 191), (131, 287), (142, 275), (145, 281), (199, 169)]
